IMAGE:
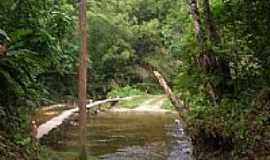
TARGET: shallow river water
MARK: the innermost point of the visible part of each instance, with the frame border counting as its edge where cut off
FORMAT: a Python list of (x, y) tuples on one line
[(126, 136)]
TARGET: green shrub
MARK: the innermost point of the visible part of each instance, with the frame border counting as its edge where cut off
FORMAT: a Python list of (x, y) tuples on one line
[(167, 105), (125, 92), (233, 125)]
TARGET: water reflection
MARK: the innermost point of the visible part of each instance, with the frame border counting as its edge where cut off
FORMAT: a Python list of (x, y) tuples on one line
[(181, 145), (126, 136)]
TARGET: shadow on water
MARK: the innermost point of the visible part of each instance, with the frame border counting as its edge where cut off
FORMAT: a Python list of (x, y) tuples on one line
[(125, 136)]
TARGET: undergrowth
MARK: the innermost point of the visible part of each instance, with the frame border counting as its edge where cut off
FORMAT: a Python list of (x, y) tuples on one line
[(17, 149), (125, 92), (167, 105), (241, 129)]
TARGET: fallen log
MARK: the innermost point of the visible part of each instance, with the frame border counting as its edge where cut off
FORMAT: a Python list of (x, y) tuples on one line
[(177, 103), (46, 127)]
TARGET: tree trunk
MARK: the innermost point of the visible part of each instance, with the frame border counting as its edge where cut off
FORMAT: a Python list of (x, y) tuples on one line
[(83, 78), (206, 61), (197, 23), (178, 104), (210, 24), (3, 50)]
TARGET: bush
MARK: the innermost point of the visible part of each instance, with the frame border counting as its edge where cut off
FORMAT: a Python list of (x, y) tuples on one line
[(124, 92), (233, 125)]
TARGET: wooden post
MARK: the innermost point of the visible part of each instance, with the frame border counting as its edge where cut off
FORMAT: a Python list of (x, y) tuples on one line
[(83, 77)]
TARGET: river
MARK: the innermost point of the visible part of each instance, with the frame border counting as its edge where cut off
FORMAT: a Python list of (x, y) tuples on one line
[(125, 136)]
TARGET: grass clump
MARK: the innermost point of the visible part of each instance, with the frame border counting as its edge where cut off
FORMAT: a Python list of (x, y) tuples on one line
[(167, 105)]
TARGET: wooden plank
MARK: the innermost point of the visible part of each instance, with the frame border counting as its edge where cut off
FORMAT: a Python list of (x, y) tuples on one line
[(46, 127)]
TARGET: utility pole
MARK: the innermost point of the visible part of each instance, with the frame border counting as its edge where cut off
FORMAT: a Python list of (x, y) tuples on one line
[(83, 77)]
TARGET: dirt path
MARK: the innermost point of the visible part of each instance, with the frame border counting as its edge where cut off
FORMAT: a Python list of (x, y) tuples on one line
[(151, 105)]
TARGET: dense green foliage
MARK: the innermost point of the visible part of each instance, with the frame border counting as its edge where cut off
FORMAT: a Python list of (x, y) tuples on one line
[(38, 31), (128, 39), (241, 119), (125, 45), (124, 92)]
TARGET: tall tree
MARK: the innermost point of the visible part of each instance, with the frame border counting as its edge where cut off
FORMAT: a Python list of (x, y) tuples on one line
[(83, 77), (206, 60), (210, 24), (197, 22)]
